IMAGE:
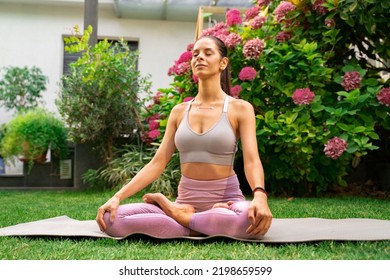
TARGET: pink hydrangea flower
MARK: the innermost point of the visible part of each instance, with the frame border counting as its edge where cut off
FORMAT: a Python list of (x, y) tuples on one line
[(185, 57), (335, 147), (154, 134), (317, 6), (153, 124), (330, 22), (189, 98), (252, 12), (263, 2), (233, 17), (235, 91), (283, 36), (247, 73), (253, 48), (182, 68), (153, 117), (195, 78), (303, 96), (217, 30), (283, 9), (232, 40), (156, 97), (351, 80), (257, 22), (190, 47), (384, 96)]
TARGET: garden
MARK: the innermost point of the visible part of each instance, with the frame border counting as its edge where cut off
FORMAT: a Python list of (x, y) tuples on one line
[(317, 73)]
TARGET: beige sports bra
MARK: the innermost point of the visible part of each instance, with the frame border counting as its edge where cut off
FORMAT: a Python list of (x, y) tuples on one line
[(218, 145)]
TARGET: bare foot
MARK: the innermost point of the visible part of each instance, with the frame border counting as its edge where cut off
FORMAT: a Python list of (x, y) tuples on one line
[(223, 204), (179, 212)]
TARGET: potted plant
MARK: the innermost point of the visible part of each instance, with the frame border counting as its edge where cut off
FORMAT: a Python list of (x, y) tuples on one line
[(29, 135)]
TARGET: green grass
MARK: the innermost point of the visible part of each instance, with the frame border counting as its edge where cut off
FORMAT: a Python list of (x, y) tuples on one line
[(19, 207)]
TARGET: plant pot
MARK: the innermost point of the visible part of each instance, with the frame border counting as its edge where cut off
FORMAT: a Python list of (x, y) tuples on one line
[(2, 166)]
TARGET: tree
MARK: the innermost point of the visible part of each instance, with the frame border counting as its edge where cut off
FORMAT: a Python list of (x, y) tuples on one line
[(21, 88), (99, 99)]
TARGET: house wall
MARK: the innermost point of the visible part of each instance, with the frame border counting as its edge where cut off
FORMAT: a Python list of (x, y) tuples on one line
[(31, 34)]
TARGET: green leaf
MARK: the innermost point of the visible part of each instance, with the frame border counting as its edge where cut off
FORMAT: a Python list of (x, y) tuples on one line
[(358, 129), (343, 126)]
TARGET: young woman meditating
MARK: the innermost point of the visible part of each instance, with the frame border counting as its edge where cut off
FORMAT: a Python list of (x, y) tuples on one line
[(205, 131)]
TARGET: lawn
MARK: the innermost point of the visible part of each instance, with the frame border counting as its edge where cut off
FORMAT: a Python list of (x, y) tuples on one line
[(19, 207)]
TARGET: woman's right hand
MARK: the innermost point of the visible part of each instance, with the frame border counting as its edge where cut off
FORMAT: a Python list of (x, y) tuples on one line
[(110, 206)]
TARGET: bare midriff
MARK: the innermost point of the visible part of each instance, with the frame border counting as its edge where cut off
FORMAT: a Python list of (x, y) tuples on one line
[(206, 171)]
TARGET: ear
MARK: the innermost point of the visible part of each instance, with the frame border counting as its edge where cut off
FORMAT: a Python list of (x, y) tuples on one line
[(223, 63)]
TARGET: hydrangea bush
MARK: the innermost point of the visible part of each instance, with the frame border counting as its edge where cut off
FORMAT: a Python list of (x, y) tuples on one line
[(320, 101)]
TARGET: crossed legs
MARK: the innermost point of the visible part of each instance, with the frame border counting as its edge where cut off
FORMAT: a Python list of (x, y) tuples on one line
[(230, 218)]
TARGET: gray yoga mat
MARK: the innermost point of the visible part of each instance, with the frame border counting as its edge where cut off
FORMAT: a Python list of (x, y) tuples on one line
[(282, 230)]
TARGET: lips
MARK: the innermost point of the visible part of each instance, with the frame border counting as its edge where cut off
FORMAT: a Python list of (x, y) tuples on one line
[(200, 65)]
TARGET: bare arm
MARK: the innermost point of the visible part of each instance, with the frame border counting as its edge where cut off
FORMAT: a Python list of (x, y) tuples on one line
[(259, 215), (147, 174)]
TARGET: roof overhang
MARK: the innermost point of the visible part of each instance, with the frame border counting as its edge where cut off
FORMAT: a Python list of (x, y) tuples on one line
[(171, 10)]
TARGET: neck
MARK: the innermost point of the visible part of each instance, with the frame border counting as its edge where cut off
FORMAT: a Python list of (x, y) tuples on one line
[(209, 91)]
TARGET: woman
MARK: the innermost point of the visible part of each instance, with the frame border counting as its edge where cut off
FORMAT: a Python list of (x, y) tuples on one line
[(205, 130)]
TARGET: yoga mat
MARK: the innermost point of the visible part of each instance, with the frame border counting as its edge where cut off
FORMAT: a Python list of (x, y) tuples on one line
[(282, 230)]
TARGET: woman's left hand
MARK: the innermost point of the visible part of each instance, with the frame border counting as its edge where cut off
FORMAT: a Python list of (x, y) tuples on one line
[(259, 215)]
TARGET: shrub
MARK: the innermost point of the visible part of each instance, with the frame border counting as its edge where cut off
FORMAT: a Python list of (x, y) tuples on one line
[(319, 96), (21, 88), (31, 134), (99, 99)]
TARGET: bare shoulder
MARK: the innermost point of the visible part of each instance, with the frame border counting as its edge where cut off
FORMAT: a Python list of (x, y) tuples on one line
[(179, 109), (177, 113), (241, 106)]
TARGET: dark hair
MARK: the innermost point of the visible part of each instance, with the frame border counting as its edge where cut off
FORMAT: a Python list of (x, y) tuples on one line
[(225, 75)]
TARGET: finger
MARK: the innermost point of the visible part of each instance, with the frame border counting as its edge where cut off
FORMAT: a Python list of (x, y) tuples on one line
[(100, 220), (112, 215), (251, 215), (267, 226), (257, 226)]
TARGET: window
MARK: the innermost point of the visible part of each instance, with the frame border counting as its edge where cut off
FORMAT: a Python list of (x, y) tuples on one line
[(72, 57)]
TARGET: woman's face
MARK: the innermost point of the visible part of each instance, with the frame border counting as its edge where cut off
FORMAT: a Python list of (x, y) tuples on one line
[(206, 59)]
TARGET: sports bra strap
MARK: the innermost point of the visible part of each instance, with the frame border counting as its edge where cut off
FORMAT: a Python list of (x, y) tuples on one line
[(189, 104), (225, 105)]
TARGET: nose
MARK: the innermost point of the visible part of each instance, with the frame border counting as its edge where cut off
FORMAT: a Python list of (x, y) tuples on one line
[(199, 56)]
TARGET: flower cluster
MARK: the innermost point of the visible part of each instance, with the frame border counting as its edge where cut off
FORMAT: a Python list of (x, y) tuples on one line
[(156, 97), (189, 98), (330, 23), (182, 65), (235, 91), (153, 125), (233, 17), (351, 80), (232, 40), (263, 2), (253, 48), (219, 30), (317, 6), (283, 36), (252, 12), (257, 22), (335, 147), (247, 73), (303, 96), (384, 96), (283, 9)]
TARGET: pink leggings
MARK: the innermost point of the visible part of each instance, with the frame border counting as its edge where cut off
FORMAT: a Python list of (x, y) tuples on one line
[(149, 219)]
